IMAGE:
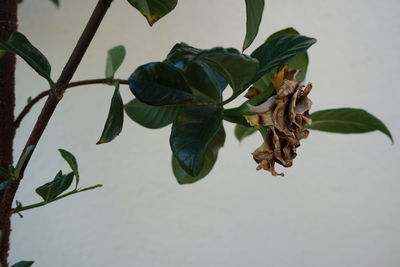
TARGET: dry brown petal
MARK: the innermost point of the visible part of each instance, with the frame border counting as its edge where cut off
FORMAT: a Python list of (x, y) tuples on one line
[(286, 115), (288, 87), (268, 166), (252, 92), (263, 107), (253, 120), (278, 77)]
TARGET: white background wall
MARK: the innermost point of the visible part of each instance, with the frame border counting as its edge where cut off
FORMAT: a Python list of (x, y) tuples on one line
[(338, 205)]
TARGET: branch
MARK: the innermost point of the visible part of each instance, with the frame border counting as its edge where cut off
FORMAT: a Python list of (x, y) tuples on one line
[(37, 98), (66, 75), (43, 203)]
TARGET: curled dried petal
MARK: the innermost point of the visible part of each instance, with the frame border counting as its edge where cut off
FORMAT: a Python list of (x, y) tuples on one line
[(252, 92), (263, 107)]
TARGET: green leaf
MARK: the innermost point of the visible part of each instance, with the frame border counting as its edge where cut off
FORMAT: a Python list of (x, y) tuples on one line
[(211, 155), (237, 69), (154, 10), (160, 84), (71, 160), (181, 54), (153, 117), (192, 131), (277, 51), (56, 2), (282, 32), (23, 264), (254, 12), (115, 118), (242, 131), (115, 57), (199, 75), (51, 190), (347, 120), (6, 184), (205, 80), (20, 45)]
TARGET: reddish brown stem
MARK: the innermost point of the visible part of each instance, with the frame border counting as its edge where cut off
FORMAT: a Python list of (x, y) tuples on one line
[(47, 111), (43, 94), (8, 24)]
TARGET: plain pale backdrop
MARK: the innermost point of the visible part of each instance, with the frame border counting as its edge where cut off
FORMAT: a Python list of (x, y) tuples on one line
[(337, 206)]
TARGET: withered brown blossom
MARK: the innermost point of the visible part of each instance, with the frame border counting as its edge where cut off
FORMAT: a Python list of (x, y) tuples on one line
[(285, 114)]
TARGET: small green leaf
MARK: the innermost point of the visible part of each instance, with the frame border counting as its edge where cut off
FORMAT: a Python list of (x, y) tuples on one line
[(211, 155), (192, 131), (160, 84), (254, 12), (237, 69), (277, 51), (115, 118), (56, 2), (152, 117), (115, 57), (154, 10), (6, 184), (20, 45), (23, 264), (347, 120), (71, 160), (29, 100), (51, 190), (242, 131)]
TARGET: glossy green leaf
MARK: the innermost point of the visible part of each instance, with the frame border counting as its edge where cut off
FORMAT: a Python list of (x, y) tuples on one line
[(6, 184), (181, 54), (211, 155), (153, 10), (205, 80), (254, 12), (300, 62), (192, 131), (153, 117), (20, 45), (199, 75), (71, 160), (115, 119), (347, 120), (115, 57), (160, 84), (51, 190), (237, 69), (282, 32), (242, 131), (23, 264), (279, 50)]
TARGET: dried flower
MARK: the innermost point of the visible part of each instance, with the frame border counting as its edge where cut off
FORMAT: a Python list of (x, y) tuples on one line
[(285, 114)]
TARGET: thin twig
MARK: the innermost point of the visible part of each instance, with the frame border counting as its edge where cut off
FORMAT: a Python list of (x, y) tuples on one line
[(43, 203), (37, 98)]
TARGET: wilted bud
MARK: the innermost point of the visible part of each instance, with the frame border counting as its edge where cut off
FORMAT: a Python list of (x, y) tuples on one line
[(285, 114)]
